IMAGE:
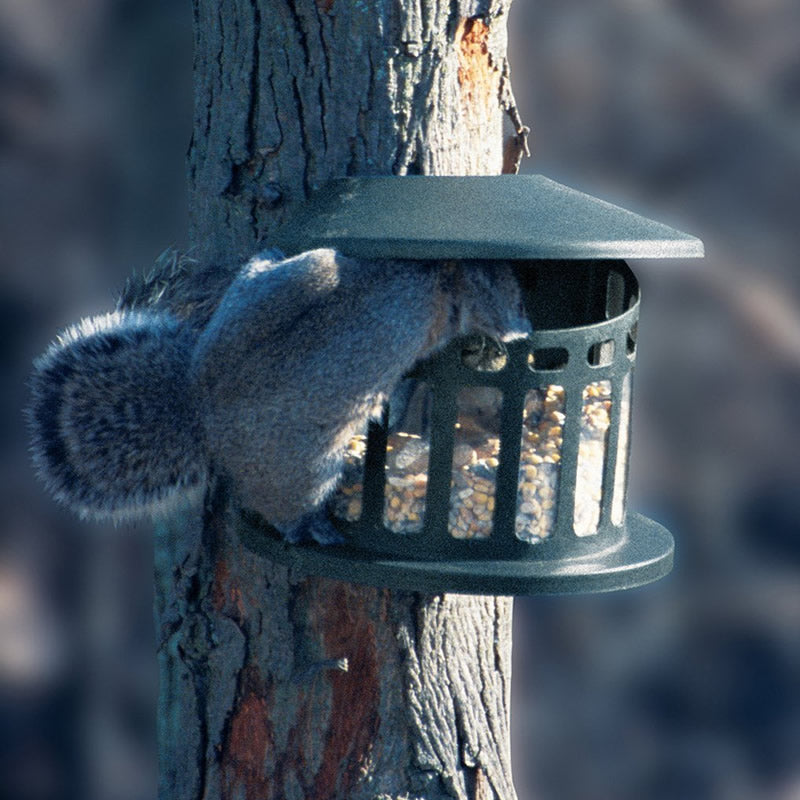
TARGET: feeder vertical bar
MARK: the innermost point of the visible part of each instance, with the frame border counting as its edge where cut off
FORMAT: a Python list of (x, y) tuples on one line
[(507, 477), (611, 445), (375, 474), (440, 465)]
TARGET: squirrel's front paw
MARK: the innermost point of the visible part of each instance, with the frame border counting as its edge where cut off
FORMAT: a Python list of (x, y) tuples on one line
[(312, 527)]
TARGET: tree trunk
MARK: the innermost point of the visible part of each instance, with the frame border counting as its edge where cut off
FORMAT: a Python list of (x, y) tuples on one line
[(275, 686)]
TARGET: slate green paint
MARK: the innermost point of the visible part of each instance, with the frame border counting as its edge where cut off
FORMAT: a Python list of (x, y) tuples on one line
[(498, 216)]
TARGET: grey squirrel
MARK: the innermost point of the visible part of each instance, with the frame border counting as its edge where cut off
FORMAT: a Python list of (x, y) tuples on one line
[(135, 411)]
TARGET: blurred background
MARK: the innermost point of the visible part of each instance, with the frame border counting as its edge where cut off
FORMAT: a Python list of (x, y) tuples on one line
[(687, 112)]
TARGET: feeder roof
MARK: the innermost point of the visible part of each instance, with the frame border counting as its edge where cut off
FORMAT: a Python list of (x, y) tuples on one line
[(487, 217)]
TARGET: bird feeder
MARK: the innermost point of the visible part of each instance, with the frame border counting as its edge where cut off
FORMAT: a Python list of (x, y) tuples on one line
[(503, 468)]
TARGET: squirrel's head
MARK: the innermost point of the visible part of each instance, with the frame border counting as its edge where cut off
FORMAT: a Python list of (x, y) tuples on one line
[(489, 300)]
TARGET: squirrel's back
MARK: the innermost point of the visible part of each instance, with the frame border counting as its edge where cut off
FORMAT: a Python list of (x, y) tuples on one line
[(295, 361), (115, 434), (299, 356)]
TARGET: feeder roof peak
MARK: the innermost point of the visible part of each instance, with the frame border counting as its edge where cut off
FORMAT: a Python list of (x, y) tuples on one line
[(482, 217)]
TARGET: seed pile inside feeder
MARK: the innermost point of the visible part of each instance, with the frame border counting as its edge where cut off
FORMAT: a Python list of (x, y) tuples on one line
[(475, 461), (595, 421), (539, 463)]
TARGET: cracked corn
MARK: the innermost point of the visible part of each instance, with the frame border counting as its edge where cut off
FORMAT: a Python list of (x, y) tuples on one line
[(475, 462)]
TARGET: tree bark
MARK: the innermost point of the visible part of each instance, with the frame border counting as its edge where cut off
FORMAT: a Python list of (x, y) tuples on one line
[(277, 686)]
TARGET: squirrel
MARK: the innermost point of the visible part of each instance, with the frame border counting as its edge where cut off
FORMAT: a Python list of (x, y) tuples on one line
[(139, 410)]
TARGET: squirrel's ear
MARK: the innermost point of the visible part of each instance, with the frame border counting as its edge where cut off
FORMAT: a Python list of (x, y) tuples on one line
[(273, 254)]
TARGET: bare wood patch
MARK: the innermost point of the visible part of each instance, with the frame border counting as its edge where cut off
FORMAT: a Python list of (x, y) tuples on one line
[(478, 77), (349, 632), (248, 743), (226, 595)]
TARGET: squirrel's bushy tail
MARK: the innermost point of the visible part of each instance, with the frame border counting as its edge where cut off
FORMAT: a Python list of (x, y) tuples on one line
[(116, 432)]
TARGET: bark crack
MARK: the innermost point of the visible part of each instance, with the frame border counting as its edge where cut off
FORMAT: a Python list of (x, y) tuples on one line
[(254, 100), (194, 642), (277, 147), (322, 114), (304, 135), (302, 36)]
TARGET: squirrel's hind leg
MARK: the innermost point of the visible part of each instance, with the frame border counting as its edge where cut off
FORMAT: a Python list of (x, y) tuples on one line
[(314, 527)]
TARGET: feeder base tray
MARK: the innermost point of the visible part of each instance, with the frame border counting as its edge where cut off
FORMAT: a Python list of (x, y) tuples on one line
[(643, 555)]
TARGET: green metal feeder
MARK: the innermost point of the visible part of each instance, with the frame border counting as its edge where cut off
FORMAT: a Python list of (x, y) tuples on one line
[(507, 471)]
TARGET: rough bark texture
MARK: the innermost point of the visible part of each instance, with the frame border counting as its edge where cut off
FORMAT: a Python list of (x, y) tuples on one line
[(276, 686), (291, 94)]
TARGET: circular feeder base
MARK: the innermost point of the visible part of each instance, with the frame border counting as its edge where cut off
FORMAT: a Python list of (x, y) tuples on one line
[(643, 555)]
